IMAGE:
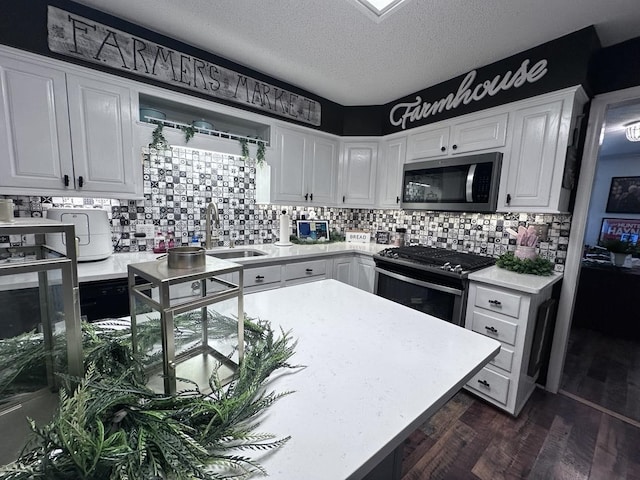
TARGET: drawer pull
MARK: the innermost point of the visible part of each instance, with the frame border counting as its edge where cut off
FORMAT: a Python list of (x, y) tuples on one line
[(491, 329), (259, 278), (484, 383), (309, 270), (495, 303)]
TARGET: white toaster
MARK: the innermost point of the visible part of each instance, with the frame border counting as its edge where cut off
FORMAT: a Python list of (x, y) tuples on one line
[(93, 232)]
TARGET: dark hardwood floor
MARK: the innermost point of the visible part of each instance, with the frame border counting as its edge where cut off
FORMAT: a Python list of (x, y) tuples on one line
[(555, 437), (604, 370)]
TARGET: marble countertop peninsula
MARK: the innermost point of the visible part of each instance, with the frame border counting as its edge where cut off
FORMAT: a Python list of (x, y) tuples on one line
[(375, 371)]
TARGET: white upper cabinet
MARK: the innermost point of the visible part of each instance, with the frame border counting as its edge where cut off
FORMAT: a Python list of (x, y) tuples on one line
[(390, 162), (65, 133), (305, 168), (359, 162), (533, 175), (456, 137), (102, 144), (35, 141)]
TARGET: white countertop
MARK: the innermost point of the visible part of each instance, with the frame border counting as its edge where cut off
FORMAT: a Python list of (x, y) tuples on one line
[(115, 266), (376, 370), (522, 282)]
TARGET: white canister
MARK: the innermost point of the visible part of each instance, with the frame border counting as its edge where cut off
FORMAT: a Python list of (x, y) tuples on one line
[(6, 210)]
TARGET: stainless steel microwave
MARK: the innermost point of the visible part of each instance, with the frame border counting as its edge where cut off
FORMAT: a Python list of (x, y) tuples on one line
[(461, 184)]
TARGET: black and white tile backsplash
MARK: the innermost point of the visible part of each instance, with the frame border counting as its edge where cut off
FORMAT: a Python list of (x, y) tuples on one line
[(179, 183)]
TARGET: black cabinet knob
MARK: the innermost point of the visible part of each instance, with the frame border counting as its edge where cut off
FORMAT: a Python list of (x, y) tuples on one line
[(454, 146), (309, 270), (491, 329), (508, 198), (66, 180), (443, 149), (397, 199), (311, 197), (306, 197), (80, 181), (259, 278), (484, 383)]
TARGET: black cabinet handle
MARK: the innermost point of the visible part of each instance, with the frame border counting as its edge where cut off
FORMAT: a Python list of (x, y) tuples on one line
[(309, 270), (443, 149), (259, 278), (80, 181), (495, 303), (484, 383), (311, 197), (306, 197), (454, 146), (491, 329), (66, 180), (508, 198), (343, 198), (397, 199)]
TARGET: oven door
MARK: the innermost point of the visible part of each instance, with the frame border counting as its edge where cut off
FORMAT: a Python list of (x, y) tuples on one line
[(429, 296)]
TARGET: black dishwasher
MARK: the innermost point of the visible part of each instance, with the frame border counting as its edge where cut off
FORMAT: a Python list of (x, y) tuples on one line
[(105, 298)]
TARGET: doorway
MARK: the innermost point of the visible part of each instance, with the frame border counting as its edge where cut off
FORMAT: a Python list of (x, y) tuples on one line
[(602, 362)]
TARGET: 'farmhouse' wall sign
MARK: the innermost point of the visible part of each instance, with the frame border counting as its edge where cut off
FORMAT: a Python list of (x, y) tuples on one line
[(79, 37)]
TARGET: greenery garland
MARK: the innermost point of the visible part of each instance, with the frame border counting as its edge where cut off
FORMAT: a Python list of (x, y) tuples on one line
[(113, 427), (157, 137), (537, 266)]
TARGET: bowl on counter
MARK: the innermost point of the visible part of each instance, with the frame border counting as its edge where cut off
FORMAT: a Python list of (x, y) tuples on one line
[(203, 124), (151, 112)]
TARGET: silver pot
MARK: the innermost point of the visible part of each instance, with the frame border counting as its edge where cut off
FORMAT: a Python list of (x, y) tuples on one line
[(186, 257)]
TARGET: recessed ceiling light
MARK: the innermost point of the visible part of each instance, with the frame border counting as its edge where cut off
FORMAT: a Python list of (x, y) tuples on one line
[(380, 7)]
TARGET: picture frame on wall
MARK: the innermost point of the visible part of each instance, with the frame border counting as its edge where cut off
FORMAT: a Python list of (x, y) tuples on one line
[(624, 195)]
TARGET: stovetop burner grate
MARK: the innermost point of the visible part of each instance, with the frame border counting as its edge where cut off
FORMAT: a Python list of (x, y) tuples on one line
[(438, 257)]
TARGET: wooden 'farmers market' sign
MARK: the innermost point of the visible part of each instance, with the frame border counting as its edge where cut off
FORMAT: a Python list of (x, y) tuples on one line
[(79, 37)]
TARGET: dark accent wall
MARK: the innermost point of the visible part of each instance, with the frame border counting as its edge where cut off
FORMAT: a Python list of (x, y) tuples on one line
[(568, 65), (616, 67), (23, 25)]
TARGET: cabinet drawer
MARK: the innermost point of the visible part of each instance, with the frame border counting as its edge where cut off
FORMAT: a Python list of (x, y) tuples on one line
[(491, 384), (494, 327), (504, 359), (498, 301), (262, 275), (305, 269)]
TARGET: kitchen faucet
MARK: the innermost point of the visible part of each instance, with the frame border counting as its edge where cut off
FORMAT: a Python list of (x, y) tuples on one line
[(208, 236)]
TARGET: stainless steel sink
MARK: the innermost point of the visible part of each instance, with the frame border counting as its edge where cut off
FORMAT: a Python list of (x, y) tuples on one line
[(235, 253)]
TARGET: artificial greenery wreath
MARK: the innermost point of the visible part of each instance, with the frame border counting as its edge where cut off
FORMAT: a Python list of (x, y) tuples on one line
[(537, 266), (112, 426)]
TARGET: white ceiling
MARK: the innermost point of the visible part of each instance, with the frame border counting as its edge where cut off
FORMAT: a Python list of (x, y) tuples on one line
[(340, 51)]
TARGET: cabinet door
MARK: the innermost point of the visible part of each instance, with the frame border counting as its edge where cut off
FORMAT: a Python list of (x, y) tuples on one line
[(431, 143), (532, 163), (101, 126), (290, 175), (359, 174), (480, 134), (390, 172), (365, 274), (323, 171), (342, 269), (35, 145)]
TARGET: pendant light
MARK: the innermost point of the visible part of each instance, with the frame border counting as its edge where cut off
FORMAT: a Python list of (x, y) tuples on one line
[(632, 130)]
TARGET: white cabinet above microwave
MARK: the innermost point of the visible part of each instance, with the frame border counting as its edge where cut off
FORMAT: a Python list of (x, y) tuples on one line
[(474, 134)]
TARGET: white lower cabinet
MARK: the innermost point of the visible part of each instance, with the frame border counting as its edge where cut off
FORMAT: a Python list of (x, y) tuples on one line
[(365, 273), (342, 267), (508, 316)]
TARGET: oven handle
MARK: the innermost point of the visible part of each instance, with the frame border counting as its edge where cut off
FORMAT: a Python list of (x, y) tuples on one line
[(420, 283)]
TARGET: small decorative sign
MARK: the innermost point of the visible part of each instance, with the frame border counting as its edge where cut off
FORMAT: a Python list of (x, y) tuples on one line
[(358, 236), (79, 37), (383, 238)]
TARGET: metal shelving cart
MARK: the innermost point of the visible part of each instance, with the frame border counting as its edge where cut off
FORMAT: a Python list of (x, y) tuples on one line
[(37, 257), (217, 281)]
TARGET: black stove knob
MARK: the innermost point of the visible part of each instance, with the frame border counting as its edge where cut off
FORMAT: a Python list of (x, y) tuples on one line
[(457, 268), (446, 267)]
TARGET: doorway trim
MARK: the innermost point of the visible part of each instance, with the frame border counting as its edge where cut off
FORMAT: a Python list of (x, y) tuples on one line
[(566, 303)]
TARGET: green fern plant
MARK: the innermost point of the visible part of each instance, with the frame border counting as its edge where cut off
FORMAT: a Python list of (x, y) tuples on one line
[(260, 152), (244, 148), (189, 131), (113, 427)]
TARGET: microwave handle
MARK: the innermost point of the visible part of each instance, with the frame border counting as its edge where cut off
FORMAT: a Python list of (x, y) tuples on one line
[(470, 178)]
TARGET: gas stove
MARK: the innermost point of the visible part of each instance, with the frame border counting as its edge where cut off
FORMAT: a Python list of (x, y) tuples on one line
[(439, 260)]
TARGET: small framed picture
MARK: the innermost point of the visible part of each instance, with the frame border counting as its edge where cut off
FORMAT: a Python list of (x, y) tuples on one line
[(383, 238), (624, 195), (312, 229)]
